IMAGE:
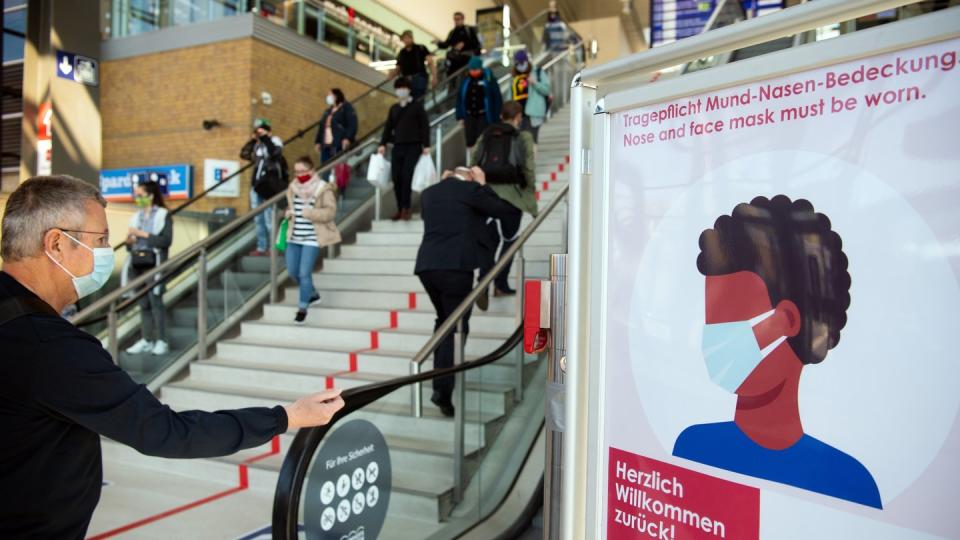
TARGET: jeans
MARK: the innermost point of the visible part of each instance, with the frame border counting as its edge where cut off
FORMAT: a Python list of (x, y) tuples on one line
[(153, 314), (264, 222), (403, 161), (418, 85), (506, 229), (447, 289), (301, 261)]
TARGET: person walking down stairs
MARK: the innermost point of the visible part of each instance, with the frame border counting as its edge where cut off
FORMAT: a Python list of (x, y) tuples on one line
[(311, 213)]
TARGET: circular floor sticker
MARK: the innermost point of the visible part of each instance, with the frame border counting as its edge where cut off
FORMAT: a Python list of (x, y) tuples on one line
[(348, 487)]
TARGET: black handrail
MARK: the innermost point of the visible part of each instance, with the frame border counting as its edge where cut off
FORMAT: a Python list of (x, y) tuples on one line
[(293, 472)]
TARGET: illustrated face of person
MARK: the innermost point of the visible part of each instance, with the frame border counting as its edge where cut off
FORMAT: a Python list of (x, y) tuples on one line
[(743, 296)]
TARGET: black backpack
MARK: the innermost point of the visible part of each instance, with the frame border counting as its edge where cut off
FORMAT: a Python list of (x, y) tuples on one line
[(501, 160)]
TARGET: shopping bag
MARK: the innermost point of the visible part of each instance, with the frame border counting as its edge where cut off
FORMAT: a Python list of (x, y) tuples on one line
[(282, 235), (341, 172), (378, 172), (424, 175)]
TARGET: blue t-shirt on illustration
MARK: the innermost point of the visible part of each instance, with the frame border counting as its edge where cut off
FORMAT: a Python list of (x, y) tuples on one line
[(809, 464)]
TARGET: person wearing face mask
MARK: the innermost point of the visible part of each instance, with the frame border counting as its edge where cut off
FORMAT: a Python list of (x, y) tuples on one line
[(148, 241), (479, 100), (60, 390), (520, 85), (455, 212), (408, 130), (311, 213), (777, 292), (412, 63), (338, 126)]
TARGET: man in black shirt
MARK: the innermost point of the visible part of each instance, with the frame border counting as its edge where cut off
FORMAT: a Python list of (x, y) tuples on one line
[(408, 129), (412, 62), (455, 213), (60, 390), (463, 42)]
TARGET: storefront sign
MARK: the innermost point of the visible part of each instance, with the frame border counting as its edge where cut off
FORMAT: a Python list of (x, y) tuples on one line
[(78, 68), (176, 181)]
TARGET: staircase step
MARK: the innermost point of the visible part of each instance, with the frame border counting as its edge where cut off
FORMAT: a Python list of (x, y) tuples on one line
[(406, 267), (532, 253), (539, 238), (366, 319)]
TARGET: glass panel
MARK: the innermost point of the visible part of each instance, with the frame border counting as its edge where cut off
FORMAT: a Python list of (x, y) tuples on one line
[(13, 45)]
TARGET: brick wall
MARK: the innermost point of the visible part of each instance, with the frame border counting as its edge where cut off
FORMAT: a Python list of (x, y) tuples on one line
[(153, 106)]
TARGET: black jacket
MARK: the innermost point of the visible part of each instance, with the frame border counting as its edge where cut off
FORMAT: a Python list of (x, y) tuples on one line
[(407, 125), (454, 224), (471, 46), (344, 125), (59, 392)]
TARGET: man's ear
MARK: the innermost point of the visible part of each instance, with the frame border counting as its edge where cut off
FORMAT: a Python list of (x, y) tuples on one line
[(54, 243)]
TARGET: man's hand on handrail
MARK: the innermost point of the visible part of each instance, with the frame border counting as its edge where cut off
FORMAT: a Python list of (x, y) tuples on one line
[(313, 410)]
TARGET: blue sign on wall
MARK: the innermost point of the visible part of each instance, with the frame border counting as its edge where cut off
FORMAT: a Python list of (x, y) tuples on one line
[(78, 68), (678, 19), (176, 181)]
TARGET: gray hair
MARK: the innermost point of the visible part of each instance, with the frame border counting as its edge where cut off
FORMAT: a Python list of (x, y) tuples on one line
[(38, 205)]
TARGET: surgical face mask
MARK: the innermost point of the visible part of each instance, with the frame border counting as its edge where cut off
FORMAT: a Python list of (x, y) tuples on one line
[(330, 100), (102, 268), (523, 67), (403, 93), (476, 73), (731, 351)]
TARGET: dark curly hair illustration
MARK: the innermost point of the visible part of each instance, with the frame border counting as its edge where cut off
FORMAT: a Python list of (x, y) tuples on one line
[(796, 254)]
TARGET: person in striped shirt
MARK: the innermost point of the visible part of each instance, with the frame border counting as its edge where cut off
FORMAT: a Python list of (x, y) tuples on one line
[(311, 213)]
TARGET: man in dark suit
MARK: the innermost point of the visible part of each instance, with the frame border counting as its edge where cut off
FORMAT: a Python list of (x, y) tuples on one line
[(455, 212)]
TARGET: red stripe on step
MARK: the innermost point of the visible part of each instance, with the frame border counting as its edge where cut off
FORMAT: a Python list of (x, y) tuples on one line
[(546, 186), (394, 319), (538, 195), (244, 484), (567, 158), (561, 167), (353, 362), (553, 177), (329, 383), (412, 301), (374, 340)]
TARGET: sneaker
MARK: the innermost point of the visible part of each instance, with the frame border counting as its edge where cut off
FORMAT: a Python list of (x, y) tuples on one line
[(160, 348), (483, 301), (315, 299), (140, 347), (498, 292), (257, 253), (301, 316)]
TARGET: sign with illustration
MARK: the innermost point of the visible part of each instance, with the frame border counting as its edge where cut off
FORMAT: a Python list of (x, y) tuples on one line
[(215, 171), (784, 367), (348, 487)]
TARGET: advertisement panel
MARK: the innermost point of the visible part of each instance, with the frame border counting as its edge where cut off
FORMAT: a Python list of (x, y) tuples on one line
[(176, 181), (784, 367), (216, 171)]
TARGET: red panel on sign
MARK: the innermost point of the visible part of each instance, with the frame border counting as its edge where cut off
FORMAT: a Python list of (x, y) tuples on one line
[(45, 122), (647, 498)]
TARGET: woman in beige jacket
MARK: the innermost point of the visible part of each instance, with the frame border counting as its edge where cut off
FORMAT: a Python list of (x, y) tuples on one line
[(311, 211)]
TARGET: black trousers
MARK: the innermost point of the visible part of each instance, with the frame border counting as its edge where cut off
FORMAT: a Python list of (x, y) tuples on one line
[(403, 161), (473, 127), (447, 289), (503, 232)]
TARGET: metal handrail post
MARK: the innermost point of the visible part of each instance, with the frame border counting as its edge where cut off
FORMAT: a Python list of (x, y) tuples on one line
[(438, 146), (416, 398), (202, 305), (112, 326), (274, 270), (376, 204), (458, 416), (521, 277), (553, 467)]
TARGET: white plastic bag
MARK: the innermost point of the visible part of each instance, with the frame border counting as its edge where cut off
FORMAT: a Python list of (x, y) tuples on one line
[(378, 172), (424, 175)]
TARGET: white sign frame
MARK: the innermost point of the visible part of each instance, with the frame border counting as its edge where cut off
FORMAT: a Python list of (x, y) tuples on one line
[(227, 190), (584, 482)]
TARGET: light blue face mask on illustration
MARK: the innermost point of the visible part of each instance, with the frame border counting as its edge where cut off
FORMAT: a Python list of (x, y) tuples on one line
[(731, 351)]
